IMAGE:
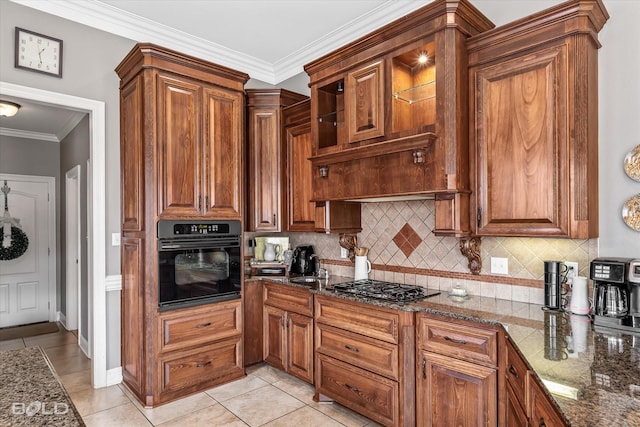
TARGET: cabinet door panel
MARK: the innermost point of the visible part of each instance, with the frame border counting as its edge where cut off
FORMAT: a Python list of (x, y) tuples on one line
[(301, 210), (132, 312), (132, 155), (265, 169), (179, 147), (364, 102), (223, 153), (522, 169), (542, 410), (452, 392), (300, 343), (274, 337)]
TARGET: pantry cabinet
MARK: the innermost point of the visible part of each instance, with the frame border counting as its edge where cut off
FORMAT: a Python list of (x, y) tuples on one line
[(267, 160), (181, 138), (534, 124), (288, 330), (364, 359), (389, 114), (456, 373)]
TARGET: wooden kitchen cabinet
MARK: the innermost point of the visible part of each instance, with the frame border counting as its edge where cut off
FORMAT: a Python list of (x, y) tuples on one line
[(542, 411), (288, 330), (457, 372), (526, 402), (181, 135), (303, 214), (199, 150), (364, 359), (534, 124), (267, 159), (386, 124)]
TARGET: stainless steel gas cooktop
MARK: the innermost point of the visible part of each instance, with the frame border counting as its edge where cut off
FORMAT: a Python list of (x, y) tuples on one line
[(392, 292)]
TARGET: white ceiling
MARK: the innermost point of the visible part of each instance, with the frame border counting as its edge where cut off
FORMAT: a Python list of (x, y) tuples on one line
[(270, 40)]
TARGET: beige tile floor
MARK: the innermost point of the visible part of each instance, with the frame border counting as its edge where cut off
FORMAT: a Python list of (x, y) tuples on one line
[(265, 397)]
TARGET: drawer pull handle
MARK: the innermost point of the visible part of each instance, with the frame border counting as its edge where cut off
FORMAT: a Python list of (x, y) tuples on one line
[(542, 423), (352, 348), (203, 325), (202, 365), (356, 389), (513, 371), (454, 340)]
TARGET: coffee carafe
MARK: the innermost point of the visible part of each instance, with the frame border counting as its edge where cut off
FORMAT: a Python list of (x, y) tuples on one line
[(611, 293)]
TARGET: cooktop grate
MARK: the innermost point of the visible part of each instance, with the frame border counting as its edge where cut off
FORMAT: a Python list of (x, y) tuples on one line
[(387, 291)]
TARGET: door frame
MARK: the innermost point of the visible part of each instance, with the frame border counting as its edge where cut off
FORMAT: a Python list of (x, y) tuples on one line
[(96, 228), (51, 237), (73, 233)]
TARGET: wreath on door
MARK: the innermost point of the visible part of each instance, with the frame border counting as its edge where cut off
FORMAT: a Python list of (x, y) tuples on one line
[(14, 241)]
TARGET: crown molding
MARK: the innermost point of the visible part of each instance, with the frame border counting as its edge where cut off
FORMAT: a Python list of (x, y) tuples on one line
[(107, 18), (40, 136), (73, 121)]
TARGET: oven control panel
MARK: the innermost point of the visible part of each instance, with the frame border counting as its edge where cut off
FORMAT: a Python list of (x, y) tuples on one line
[(180, 229), (174, 229)]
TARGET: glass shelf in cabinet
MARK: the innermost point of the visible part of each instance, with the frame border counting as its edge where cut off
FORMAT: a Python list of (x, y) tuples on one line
[(417, 93)]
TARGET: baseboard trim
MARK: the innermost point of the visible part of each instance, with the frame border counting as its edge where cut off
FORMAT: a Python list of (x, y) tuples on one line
[(114, 376), (60, 317), (84, 346)]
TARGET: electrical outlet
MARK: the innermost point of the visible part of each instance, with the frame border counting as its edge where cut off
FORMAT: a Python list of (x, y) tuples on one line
[(572, 271), (115, 239), (344, 253), (499, 265)]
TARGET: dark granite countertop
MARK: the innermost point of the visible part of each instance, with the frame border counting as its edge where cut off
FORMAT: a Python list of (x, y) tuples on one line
[(593, 375)]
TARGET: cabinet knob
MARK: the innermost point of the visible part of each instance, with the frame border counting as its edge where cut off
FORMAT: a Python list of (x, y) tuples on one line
[(541, 423)]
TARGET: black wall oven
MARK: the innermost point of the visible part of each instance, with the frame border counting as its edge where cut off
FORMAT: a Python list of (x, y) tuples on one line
[(199, 262)]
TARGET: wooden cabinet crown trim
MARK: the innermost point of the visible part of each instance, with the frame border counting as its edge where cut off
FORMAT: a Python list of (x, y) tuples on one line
[(460, 14)]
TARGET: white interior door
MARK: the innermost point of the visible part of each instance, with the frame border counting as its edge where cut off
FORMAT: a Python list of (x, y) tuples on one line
[(27, 283)]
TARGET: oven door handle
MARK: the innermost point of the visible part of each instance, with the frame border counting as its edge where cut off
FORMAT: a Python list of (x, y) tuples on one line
[(198, 244)]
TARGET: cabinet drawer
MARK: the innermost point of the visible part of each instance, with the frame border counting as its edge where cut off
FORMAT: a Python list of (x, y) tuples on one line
[(374, 355), (289, 298), (371, 395), (462, 341), (219, 362), (364, 320), (516, 371), (196, 326)]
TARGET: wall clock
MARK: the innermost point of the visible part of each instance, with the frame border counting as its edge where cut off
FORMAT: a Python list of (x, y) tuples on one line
[(37, 52)]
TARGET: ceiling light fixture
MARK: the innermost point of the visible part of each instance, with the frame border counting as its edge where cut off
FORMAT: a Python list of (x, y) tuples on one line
[(423, 58), (8, 108)]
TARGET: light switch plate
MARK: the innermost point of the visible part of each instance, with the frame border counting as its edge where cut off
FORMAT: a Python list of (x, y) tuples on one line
[(344, 253), (115, 239), (499, 265)]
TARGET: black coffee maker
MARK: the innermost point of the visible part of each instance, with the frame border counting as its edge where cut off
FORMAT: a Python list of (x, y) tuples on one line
[(612, 293), (304, 261)]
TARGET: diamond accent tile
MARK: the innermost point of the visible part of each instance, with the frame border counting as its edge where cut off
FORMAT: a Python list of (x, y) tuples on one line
[(407, 240)]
